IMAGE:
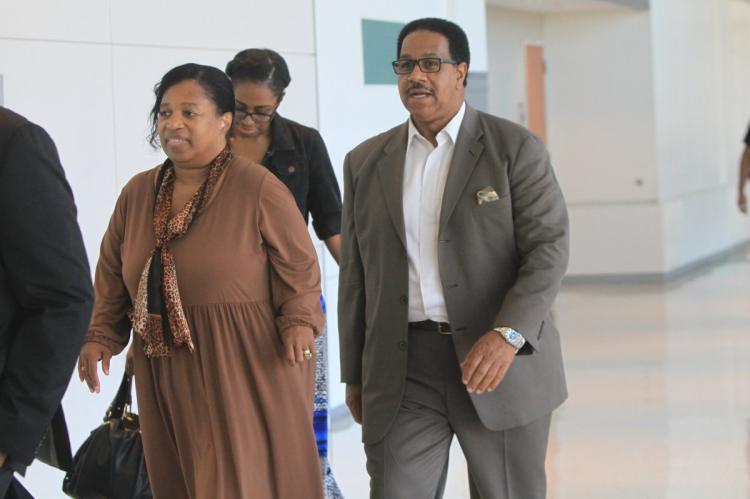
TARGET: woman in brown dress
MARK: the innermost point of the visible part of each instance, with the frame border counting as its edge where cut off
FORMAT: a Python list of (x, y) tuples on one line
[(222, 291)]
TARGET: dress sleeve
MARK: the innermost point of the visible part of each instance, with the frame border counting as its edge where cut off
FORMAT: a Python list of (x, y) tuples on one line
[(110, 325), (324, 199), (295, 275)]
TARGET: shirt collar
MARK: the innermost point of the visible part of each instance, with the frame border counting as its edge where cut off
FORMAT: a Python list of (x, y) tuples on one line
[(451, 129)]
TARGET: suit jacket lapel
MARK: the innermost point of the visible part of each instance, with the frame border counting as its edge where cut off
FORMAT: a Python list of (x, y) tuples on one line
[(391, 173), (465, 156)]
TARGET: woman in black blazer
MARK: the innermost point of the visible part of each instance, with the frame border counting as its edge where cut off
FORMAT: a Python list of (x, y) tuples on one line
[(295, 153)]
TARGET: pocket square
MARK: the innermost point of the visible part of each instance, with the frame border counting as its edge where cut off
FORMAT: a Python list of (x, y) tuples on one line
[(486, 195)]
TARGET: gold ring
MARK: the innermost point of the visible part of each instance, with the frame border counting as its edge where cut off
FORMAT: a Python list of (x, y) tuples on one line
[(83, 369), (307, 353)]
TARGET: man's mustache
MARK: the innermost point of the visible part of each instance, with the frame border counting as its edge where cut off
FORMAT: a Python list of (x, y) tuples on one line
[(419, 86)]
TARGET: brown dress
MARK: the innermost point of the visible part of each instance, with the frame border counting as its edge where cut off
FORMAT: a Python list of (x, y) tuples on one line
[(231, 420)]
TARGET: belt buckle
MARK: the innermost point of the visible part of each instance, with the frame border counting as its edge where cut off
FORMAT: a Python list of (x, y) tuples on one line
[(440, 329)]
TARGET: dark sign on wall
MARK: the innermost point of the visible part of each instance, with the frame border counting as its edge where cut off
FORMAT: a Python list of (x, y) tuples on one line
[(379, 50)]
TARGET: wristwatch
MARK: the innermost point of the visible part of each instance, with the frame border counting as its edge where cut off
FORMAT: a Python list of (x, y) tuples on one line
[(512, 336)]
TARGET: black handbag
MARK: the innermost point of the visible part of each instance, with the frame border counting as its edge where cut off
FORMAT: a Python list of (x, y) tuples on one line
[(110, 464)]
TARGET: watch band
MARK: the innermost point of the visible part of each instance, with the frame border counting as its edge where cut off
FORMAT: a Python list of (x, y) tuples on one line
[(513, 337)]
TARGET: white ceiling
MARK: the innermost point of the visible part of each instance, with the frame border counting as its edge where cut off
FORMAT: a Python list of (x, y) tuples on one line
[(548, 6)]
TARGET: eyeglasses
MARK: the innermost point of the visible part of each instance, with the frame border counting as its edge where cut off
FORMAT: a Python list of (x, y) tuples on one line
[(257, 117), (426, 65)]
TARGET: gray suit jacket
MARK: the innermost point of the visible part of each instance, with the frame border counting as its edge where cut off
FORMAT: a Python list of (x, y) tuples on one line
[(501, 264)]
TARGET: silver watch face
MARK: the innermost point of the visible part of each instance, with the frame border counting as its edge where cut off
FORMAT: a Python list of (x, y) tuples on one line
[(513, 337)]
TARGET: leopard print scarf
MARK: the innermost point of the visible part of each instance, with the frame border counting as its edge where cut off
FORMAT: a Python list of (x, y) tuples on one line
[(157, 315)]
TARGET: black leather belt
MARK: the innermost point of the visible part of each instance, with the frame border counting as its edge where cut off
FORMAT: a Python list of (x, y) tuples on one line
[(438, 327)]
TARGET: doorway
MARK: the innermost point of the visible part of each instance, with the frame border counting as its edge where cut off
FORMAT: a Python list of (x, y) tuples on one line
[(535, 70)]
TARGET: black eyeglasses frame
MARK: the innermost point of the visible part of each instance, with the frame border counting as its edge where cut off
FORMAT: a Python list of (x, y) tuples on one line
[(421, 62)]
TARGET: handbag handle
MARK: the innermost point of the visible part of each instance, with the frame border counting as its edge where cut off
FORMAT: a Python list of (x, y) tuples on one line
[(122, 399)]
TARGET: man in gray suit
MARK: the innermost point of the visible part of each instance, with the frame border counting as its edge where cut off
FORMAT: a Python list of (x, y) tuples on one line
[(455, 241)]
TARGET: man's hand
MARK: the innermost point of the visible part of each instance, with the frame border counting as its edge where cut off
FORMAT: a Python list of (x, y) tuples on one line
[(487, 362), (3, 457), (354, 401)]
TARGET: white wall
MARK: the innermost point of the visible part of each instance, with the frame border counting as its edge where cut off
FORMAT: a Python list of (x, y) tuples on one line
[(471, 16), (508, 33), (737, 70), (601, 131), (701, 81), (226, 25), (688, 76), (66, 88), (646, 111), (602, 138), (85, 71), (600, 106)]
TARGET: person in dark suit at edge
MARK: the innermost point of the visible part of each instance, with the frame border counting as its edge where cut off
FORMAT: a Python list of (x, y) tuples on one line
[(45, 296)]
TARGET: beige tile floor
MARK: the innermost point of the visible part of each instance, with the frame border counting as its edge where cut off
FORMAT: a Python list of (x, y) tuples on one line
[(659, 381)]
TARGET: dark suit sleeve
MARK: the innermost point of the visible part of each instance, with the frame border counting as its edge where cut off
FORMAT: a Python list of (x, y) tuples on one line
[(351, 303), (42, 253), (324, 199), (540, 221)]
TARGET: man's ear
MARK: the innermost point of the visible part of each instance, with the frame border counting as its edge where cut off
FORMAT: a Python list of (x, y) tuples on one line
[(463, 70)]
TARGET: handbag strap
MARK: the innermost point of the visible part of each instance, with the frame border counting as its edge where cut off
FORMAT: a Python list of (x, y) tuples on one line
[(122, 399)]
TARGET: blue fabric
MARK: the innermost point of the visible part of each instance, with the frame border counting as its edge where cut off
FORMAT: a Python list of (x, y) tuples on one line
[(320, 423), (320, 402), (320, 413)]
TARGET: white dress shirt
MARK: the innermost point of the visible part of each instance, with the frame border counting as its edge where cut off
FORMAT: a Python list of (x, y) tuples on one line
[(425, 173)]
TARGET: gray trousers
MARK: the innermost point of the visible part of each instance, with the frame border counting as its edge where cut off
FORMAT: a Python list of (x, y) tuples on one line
[(411, 462)]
